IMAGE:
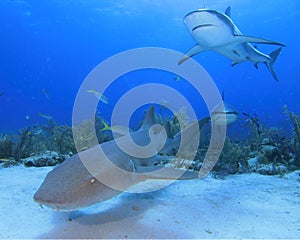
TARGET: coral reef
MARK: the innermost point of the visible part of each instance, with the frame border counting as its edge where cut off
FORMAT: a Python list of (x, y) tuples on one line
[(6, 146), (264, 150), (233, 158), (35, 141), (296, 135), (48, 158), (175, 122), (83, 134), (255, 130)]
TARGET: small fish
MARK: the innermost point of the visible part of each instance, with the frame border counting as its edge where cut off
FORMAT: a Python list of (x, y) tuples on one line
[(119, 130), (27, 117), (177, 78), (37, 131), (5, 160), (46, 116), (98, 95), (45, 93), (208, 231)]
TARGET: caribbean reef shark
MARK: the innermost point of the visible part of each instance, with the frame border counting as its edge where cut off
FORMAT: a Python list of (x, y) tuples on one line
[(71, 186), (216, 31), (223, 113)]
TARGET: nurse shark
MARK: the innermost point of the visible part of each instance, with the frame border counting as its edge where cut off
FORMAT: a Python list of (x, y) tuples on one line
[(71, 186), (216, 31)]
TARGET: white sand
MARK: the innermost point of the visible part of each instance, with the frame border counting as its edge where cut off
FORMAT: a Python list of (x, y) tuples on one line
[(241, 206)]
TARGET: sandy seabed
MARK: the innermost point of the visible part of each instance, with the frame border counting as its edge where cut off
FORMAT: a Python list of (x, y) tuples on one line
[(241, 206)]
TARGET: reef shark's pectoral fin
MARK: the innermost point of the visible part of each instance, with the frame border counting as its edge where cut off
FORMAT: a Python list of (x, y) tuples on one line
[(192, 52), (248, 39), (273, 55)]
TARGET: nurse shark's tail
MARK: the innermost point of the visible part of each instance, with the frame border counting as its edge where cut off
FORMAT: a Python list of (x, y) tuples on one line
[(273, 56)]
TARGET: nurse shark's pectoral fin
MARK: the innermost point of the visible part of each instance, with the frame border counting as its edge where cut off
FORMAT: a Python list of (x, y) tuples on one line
[(165, 173), (192, 52), (248, 39)]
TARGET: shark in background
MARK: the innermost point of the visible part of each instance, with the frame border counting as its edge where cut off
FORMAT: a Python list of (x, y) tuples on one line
[(223, 113), (213, 30)]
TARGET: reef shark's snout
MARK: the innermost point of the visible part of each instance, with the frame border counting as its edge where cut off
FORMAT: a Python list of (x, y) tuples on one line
[(224, 114)]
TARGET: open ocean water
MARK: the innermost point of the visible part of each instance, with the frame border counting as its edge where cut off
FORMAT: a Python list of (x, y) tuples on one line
[(49, 47), (68, 60)]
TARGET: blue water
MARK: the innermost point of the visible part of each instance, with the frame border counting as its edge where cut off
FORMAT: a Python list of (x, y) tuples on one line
[(48, 48)]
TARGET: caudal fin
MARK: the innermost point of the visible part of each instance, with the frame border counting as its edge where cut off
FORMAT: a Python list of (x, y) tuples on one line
[(273, 55)]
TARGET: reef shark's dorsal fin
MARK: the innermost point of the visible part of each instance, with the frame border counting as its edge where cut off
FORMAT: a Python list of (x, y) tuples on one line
[(228, 11), (149, 118)]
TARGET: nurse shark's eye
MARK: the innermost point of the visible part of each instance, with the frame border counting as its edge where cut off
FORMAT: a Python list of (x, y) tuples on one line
[(92, 180)]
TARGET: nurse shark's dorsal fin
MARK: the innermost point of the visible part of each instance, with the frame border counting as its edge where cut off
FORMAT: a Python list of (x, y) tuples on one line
[(228, 11), (149, 119), (223, 95)]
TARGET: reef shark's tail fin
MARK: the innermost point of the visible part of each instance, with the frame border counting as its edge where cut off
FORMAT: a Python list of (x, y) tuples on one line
[(273, 55)]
